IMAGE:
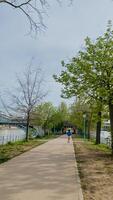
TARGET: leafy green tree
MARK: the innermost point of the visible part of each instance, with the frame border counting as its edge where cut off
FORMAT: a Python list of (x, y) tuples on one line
[(78, 79), (78, 109), (98, 59), (62, 115), (43, 116), (50, 117), (63, 111), (91, 72)]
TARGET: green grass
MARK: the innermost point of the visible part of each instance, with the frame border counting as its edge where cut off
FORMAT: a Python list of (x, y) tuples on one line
[(11, 149), (100, 147), (91, 145)]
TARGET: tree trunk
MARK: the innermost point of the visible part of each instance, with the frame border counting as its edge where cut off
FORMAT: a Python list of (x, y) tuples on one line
[(111, 123), (44, 128), (89, 125), (98, 128), (27, 128)]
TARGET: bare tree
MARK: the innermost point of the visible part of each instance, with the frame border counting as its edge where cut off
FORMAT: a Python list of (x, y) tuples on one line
[(34, 10), (29, 93)]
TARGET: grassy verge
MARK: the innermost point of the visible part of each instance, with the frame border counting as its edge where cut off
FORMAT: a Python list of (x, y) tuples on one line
[(100, 147), (11, 150), (91, 145), (95, 166)]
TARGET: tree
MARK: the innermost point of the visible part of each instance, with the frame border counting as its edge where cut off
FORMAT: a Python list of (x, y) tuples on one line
[(98, 60), (62, 115), (92, 72), (29, 93), (34, 10), (77, 109), (77, 79), (50, 117), (43, 116), (63, 112)]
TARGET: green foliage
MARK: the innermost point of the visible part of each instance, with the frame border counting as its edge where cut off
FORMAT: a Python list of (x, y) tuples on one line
[(50, 117), (91, 71), (43, 114), (77, 110), (76, 113), (63, 112), (99, 147)]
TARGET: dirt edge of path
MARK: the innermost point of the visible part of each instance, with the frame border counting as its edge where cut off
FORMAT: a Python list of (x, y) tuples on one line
[(95, 167)]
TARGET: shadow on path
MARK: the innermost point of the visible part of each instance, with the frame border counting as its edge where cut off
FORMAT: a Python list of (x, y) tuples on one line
[(44, 173)]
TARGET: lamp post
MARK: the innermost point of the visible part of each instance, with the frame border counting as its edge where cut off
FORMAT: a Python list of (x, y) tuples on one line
[(84, 116)]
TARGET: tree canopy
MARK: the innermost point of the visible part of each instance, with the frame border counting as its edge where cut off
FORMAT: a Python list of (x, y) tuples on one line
[(90, 72)]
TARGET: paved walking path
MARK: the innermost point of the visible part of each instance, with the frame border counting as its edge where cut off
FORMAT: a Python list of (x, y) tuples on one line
[(47, 172)]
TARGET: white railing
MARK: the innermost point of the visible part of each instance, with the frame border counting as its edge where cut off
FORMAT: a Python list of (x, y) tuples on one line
[(4, 139)]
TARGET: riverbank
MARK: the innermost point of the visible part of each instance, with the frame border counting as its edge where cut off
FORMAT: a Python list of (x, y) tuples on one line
[(11, 135), (10, 150), (4, 127), (95, 168)]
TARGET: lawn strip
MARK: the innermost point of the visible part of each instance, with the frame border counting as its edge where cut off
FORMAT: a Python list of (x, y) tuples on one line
[(95, 166), (11, 150)]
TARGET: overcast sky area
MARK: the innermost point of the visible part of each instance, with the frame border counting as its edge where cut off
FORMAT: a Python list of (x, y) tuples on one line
[(67, 26)]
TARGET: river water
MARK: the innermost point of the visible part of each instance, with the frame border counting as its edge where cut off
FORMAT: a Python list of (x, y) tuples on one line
[(105, 137), (11, 134)]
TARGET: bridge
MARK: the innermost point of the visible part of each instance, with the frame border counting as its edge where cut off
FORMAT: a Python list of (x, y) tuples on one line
[(11, 120)]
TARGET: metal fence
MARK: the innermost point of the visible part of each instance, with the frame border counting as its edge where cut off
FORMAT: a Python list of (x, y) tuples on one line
[(108, 141), (4, 139), (16, 135)]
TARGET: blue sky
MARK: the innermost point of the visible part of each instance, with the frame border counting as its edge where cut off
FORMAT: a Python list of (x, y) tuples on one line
[(67, 26)]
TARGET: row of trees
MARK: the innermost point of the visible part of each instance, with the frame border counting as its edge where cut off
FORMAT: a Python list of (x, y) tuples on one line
[(50, 117), (54, 118), (27, 104), (89, 75)]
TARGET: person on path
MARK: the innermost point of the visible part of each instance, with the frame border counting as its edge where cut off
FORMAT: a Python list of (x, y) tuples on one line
[(69, 134)]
